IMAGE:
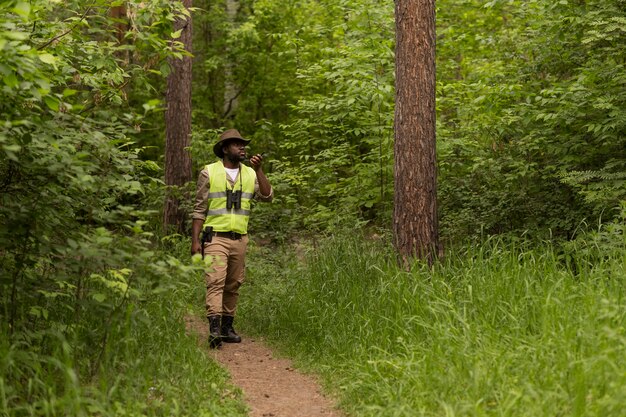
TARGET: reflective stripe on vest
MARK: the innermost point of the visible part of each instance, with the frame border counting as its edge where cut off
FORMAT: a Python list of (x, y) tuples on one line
[(218, 216)]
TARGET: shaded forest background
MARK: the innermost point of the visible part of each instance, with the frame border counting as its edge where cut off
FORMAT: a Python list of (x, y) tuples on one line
[(530, 107), (530, 110), (531, 141)]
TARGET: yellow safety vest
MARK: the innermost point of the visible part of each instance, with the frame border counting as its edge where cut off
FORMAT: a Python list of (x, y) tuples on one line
[(218, 216)]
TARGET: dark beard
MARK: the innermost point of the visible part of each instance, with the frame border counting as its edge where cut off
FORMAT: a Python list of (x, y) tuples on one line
[(235, 158)]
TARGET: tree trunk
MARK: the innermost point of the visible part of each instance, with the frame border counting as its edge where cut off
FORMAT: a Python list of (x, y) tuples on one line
[(415, 228), (118, 13), (230, 89), (178, 130)]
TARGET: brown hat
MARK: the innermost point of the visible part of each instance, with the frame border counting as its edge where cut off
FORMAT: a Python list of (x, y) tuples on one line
[(226, 136)]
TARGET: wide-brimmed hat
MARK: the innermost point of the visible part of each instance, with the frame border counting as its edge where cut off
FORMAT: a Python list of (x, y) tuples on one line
[(230, 134)]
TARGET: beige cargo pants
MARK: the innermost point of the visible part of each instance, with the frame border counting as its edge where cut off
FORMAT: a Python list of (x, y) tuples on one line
[(226, 275)]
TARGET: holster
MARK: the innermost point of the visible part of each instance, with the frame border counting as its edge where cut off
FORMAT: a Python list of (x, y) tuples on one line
[(207, 235)]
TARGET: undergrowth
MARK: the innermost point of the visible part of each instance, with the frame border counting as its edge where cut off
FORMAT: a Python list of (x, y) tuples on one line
[(136, 360)]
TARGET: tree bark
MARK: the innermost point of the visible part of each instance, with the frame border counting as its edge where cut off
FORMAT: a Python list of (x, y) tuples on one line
[(230, 89), (178, 130), (121, 26), (415, 225)]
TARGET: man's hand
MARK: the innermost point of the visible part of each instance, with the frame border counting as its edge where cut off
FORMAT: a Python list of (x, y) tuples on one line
[(264, 186), (256, 161), (196, 247)]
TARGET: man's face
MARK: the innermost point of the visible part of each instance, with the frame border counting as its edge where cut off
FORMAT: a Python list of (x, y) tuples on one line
[(235, 150)]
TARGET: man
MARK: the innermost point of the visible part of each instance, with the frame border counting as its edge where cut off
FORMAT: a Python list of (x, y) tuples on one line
[(224, 192)]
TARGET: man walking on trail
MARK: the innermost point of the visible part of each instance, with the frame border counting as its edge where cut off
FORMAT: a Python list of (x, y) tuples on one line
[(224, 193)]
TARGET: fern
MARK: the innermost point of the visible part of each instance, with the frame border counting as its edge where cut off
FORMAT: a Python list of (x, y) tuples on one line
[(599, 186)]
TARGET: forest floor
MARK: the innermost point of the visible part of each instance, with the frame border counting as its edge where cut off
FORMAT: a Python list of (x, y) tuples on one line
[(271, 386)]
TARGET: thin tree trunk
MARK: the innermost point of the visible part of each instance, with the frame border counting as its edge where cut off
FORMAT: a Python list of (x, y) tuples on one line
[(178, 130), (415, 228), (121, 26), (230, 89)]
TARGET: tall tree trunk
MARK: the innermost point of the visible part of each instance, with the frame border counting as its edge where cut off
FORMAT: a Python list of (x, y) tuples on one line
[(415, 228), (120, 17), (121, 26), (178, 130), (230, 89)]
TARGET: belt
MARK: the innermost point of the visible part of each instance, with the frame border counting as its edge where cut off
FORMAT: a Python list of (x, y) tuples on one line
[(229, 235)]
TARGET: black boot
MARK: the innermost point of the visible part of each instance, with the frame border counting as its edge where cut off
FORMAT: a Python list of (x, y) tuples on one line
[(229, 335), (215, 339)]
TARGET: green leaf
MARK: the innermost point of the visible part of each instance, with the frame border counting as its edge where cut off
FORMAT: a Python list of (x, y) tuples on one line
[(52, 103), (15, 35), (44, 85), (38, 312), (10, 81), (22, 9), (12, 148), (176, 35), (11, 151), (69, 92), (48, 58), (99, 297)]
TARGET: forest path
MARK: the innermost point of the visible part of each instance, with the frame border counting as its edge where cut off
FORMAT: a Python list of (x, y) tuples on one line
[(271, 386)]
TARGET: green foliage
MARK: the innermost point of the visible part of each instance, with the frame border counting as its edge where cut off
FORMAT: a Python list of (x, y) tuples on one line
[(530, 111), (340, 135), (135, 360), (531, 132), (68, 168), (317, 82), (87, 325), (496, 329), (595, 246)]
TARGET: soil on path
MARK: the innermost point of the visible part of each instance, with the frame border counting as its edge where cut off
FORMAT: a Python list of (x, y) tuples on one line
[(271, 386)]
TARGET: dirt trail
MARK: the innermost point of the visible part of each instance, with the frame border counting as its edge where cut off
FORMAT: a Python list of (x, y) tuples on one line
[(271, 386)]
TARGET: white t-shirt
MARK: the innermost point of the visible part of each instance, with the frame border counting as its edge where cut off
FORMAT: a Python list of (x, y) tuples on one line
[(232, 173)]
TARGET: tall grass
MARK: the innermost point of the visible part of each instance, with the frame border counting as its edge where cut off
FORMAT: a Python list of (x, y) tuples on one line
[(498, 329)]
